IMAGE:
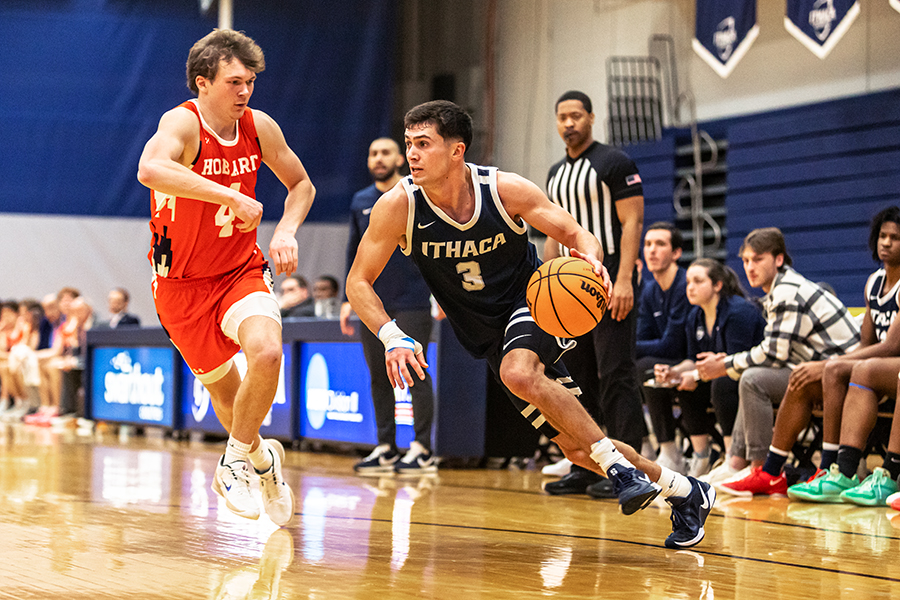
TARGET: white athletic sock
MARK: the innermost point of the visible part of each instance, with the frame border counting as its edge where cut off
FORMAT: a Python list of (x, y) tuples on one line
[(604, 453), (261, 458), (673, 484), (830, 446), (235, 450), (775, 450)]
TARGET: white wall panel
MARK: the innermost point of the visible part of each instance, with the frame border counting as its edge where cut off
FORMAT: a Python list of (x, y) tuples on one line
[(40, 254)]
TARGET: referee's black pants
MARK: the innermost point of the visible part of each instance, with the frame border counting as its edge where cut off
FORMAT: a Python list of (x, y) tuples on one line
[(603, 366), (416, 324)]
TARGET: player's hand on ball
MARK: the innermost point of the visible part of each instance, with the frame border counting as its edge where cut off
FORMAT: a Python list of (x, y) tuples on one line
[(599, 269)]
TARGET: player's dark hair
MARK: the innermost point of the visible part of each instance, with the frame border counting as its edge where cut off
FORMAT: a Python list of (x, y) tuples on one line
[(222, 44), (891, 214), (449, 119), (575, 95), (718, 272), (677, 239), (68, 291), (767, 239), (330, 281), (300, 279), (10, 304)]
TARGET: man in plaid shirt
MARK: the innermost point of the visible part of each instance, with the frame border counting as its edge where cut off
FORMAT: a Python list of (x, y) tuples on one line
[(805, 324)]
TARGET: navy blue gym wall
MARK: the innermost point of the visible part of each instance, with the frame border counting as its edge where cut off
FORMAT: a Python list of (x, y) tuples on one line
[(87, 80), (819, 172)]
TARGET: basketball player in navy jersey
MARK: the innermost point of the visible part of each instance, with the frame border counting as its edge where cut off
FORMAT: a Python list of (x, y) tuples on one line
[(465, 227)]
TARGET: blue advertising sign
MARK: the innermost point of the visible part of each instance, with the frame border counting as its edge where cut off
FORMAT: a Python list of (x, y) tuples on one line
[(133, 385), (336, 399), (198, 413)]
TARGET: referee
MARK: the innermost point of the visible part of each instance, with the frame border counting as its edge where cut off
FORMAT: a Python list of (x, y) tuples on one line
[(600, 186)]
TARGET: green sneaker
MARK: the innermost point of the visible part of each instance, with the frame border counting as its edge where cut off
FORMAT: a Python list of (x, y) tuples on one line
[(825, 487), (873, 491)]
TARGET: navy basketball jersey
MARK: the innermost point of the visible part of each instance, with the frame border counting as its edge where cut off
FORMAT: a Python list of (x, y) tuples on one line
[(477, 271), (883, 304)]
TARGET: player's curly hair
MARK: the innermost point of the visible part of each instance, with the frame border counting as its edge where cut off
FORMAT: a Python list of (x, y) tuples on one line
[(448, 118), (891, 214), (222, 44)]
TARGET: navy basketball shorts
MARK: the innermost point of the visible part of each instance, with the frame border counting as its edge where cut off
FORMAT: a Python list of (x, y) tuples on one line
[(523, 332)]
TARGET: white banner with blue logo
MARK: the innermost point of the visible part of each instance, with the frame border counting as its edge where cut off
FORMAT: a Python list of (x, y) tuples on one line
[(820, 24), (725, 31)]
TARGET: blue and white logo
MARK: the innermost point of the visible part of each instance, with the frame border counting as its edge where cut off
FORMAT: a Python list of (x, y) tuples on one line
[(822, 17), (200, 400), (725, 38), (128, 384), (324, 403)]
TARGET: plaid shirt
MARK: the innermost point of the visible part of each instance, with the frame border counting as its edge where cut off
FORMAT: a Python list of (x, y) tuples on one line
[(803, 323)]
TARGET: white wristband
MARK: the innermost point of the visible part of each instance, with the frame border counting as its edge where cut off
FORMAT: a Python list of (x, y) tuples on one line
[(393, 337)]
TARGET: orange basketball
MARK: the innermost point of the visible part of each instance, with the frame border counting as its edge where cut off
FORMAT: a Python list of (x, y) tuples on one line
[(566, 298)]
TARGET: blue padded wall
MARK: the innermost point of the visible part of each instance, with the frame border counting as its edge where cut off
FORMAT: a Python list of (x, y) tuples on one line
[(819, 173), (89, 79)]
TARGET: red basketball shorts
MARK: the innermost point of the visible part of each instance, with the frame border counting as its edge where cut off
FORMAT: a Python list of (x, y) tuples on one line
[(202, 315)]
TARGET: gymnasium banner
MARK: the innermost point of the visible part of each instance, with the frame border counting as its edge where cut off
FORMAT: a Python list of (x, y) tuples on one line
[(820, 24), (725, 31)]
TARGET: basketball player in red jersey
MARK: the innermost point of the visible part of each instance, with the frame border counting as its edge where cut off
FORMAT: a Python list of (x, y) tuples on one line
[(212, 286)]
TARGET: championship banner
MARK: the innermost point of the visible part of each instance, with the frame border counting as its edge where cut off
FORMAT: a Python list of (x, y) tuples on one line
[(820, 24), (725, 31)]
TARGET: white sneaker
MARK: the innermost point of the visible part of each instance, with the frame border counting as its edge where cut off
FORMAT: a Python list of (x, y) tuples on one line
[(719, 473), (698, 466), (232, 482), (559, 469), (278, 498), (678, 465)]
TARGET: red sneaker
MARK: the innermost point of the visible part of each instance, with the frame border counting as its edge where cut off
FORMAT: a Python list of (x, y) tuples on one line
[(894, 501), (757, 482)]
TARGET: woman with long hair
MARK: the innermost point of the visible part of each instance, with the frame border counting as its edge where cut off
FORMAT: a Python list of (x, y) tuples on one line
[(722, 320)]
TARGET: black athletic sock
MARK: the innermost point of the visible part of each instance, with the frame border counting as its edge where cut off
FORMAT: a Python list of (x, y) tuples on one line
[(828, 457), (774, 464), (892, 464), (848, 460)]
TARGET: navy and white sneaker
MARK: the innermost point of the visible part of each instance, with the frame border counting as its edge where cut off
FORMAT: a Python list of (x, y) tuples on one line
[(633, 488), (418, 461), (379, 462), (689, 515)]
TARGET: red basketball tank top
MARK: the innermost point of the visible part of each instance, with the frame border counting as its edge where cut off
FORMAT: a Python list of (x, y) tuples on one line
[(193, 238)]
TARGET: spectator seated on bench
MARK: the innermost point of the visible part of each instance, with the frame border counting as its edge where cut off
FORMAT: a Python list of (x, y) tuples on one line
[(804, 324), (827, 381)]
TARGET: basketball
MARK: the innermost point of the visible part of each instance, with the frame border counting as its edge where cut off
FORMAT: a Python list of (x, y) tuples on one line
[(566, 298)]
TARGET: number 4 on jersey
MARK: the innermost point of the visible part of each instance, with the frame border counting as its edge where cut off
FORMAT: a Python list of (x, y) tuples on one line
[(225, 218)]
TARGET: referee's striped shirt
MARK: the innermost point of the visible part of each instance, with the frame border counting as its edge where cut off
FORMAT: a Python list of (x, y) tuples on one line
[(588, 186)]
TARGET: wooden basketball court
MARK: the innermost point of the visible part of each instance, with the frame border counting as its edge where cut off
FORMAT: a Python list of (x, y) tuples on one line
[(99, 517)]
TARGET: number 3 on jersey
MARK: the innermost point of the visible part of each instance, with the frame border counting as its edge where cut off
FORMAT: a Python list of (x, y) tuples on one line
[(471, 274), (225, 218)]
